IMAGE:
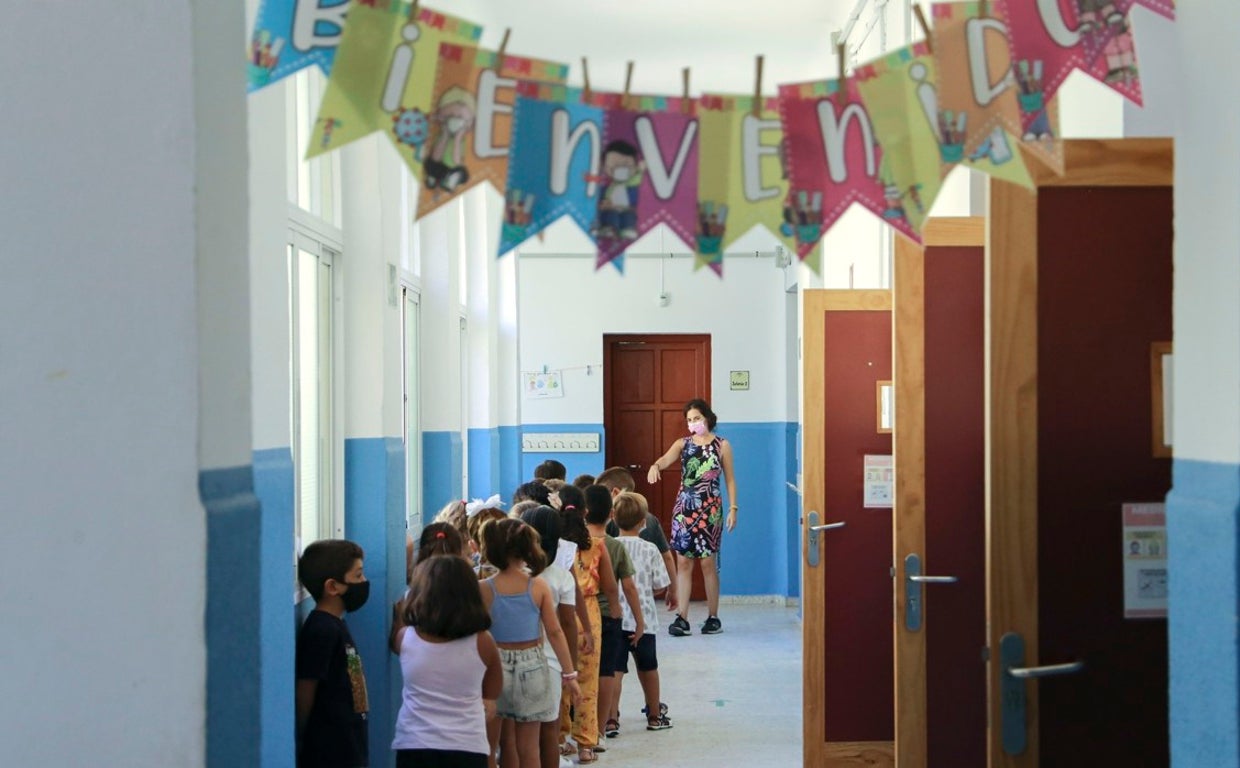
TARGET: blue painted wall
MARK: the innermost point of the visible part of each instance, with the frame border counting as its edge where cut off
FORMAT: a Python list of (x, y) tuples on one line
[(273, 485), (442, 469), (235, 680), (494, 462), (1203, 600), (374, 492)]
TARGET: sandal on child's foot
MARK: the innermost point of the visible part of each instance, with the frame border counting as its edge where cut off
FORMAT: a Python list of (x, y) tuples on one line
[(662, 710), (660, 723), (612, 729), (600, 747), (586, 755), (568, 749)]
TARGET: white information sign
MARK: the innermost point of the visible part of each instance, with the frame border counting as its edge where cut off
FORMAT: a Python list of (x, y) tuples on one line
[(880, 482), (1145, 561)]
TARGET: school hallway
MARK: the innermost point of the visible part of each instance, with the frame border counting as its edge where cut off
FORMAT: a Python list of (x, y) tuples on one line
[(734, 698)]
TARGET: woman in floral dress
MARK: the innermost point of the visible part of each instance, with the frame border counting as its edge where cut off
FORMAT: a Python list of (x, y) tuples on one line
[(697, 518)]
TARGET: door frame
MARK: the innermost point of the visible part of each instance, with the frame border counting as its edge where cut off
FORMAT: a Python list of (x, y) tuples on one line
[(1012, 399), (813, 729), (909, 445)]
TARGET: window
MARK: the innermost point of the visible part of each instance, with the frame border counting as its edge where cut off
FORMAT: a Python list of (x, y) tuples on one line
[(314, 184), (412, 417), (311, 369), (464, 352)]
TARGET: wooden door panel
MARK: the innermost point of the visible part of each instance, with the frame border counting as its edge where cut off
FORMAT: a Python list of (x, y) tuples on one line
[(633, 374), (1104, 295), (856, 562), (679, 382), (955, 514)]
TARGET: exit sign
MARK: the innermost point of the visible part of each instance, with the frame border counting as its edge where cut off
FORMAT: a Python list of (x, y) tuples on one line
[(739, 379)]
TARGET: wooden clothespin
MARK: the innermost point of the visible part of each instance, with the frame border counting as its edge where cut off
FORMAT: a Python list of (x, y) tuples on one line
[(684, 96), (503, 48), (628, 84), (983, 9), (585, 80), (841, 51), (925, 28), (413, 12), (757, 89)]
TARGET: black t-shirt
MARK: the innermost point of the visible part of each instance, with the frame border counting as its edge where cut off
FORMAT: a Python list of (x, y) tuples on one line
[(335, 732)]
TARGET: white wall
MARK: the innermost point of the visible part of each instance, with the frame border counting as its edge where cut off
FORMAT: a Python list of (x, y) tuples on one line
[(99, 386), (1158, 55)]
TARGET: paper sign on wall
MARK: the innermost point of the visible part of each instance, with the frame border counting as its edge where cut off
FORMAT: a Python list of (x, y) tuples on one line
[(1145, 561), (542, 385), (879, 482)]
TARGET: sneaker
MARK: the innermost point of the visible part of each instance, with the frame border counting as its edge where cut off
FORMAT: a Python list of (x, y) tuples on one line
[(659, 723), (680, 627), (612, 729), (712, 626)]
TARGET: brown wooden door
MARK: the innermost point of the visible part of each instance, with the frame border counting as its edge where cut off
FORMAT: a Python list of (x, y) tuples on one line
[(940, 495), (1080, 287), (647, 379), (847, 606)]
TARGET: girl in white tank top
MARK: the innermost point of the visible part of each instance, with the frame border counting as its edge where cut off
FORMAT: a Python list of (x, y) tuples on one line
[(450, 665)]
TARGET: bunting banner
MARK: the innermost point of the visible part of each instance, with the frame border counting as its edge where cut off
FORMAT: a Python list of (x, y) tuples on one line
[(1164, 8), (647, 173), (1049, 40), (471, 121), (557, 143), (290, 35), (834, 160), (977, 87), (920, 141), (384, 76), (743, 177)]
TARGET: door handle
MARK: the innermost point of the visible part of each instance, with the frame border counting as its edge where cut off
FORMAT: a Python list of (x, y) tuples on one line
[(1012, 688), (913, 581), (812, 555)]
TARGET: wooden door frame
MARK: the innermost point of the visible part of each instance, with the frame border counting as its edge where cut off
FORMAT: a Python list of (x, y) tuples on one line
[(1012, 399), (815, 304), (909, 515)]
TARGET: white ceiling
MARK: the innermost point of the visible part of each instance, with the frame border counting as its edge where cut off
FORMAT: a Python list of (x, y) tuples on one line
[(717, 39)]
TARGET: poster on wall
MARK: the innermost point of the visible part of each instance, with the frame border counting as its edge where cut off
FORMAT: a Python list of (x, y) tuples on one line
[(538, 386), (879, 483), (1145, 561)]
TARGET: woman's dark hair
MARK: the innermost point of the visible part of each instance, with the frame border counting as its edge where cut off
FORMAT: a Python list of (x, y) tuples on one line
[(572, 497), (703, 408), (546, 522), (575, 530), (439, 539), (508, 540), (444, 599), (532, 491), (326, 559), (598, 505)]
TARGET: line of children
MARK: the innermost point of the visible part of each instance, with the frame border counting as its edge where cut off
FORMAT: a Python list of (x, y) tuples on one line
[(452, 654)]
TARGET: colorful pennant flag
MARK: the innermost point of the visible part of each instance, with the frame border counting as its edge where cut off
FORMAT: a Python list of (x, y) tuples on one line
[(977, 86), (471, 120), (290, 35), (647, 172), (384, 76), (742, 179), (557, 143), (834, 160), (920, 141), (1048, 44)]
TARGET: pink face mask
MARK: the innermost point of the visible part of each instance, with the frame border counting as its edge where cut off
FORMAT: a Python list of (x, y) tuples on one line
[(698, 428)]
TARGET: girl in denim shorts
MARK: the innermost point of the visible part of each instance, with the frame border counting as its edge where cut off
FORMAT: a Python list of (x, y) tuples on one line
[(521, 609)]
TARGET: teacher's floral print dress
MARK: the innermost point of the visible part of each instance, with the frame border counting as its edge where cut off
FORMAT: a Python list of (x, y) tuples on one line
[(697, 518)]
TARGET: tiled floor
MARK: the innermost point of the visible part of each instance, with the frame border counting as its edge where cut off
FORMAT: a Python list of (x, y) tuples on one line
[(734, 698)]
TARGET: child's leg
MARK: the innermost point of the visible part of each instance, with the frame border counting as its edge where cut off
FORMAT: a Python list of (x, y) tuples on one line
[(494, 726), (508, 757), (549, 744), (527, 743), (647, 660), (614, 713), (650, 690), (585, 714)]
